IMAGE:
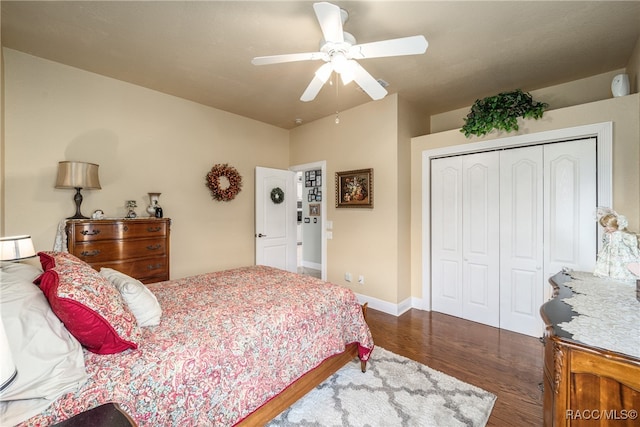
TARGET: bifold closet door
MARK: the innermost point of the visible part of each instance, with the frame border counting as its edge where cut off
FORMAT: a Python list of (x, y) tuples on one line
[(503, 222), (570, 197), (521, 239), (465, 236), (446, 235), (481, 238)]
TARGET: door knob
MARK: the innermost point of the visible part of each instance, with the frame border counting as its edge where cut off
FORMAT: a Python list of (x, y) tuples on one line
[(262, 235)]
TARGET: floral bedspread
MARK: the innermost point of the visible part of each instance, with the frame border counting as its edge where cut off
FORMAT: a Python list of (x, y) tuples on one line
[(227, 343)]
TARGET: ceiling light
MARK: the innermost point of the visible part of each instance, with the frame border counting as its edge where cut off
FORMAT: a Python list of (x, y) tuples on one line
[(339, 62)]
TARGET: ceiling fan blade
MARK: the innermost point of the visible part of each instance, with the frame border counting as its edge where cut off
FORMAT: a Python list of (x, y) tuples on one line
[(319, 79), (292, 57), (367, 82), (330, 20), (413, 45)]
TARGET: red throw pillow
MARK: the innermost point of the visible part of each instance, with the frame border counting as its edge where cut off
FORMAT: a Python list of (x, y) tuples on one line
[(90, 307)]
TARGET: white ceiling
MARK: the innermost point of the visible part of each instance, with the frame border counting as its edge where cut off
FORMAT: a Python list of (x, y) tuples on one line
[(201, 50)]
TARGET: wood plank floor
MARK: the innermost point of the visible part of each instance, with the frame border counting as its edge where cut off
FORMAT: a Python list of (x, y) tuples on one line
[(505, 363)]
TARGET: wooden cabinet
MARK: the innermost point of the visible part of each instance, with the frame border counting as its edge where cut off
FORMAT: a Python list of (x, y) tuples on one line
[(583, 384), (136, 247)]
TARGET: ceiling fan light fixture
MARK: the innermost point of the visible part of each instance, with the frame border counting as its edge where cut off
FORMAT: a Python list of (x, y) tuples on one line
[(339, 62), (348, 74)]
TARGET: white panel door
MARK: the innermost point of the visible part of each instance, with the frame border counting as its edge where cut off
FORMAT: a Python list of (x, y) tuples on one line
[(570, 195), (521, 245), (275, 231), (446, 235), (503, 222), (481, 239)]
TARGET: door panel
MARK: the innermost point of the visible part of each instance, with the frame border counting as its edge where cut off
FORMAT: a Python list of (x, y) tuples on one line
[(481, 244), (275, 229), (571, 196), (446, 243), (521, 245)]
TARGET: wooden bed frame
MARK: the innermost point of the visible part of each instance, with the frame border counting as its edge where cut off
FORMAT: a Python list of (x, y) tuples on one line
[(303, 385)]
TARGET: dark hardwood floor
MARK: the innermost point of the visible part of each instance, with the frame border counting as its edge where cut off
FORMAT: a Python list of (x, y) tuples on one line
[(505, 363)]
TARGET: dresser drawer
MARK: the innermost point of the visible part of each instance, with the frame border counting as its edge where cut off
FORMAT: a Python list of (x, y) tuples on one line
[(108, 230), (146, 270), (106, 250)]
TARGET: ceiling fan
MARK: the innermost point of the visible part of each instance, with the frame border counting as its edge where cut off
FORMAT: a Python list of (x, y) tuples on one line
[(339, 51)]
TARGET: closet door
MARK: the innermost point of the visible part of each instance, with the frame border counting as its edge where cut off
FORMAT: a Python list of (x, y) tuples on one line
[(481, 240), (521, 246), (446, 235), (465, 237), (571, 196)]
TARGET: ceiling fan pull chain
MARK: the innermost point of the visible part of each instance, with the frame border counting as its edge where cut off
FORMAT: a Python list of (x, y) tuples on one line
[(337, 101)]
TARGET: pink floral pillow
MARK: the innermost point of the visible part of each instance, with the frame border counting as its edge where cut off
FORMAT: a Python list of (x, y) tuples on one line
[(90, 307)]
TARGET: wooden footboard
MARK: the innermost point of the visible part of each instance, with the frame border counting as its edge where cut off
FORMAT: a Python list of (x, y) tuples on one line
[(304, 385)]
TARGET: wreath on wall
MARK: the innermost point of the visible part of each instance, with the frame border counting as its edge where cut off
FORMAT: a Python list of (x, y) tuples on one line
[(277, 195), (224, 182)]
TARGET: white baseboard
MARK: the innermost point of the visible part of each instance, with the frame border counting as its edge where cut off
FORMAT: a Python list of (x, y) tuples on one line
[(312, 265), (391, 308)]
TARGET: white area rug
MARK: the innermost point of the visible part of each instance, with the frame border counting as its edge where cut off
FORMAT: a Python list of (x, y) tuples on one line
[(395, 391)]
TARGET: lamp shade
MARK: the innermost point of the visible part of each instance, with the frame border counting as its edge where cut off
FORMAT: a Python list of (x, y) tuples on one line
[(16, 248), (78, 175)]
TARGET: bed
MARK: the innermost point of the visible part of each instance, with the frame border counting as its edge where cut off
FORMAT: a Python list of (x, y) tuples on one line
[(226, 348)]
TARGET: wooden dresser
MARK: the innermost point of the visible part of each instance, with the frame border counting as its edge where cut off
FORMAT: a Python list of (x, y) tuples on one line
[(584, 385), (136, 247)]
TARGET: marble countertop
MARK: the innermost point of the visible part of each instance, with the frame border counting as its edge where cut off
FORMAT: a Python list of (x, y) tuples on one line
[(609, 313)]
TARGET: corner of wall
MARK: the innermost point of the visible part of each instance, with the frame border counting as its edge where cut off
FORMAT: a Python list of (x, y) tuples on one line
[(633, 68), (2, 127)]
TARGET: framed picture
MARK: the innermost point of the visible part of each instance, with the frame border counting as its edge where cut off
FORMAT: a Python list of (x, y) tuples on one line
[(313, 178), (314, 209), (354, 189)]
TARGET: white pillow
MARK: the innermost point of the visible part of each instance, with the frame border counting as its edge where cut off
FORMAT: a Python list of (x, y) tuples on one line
[(49, 359), (141, 301)]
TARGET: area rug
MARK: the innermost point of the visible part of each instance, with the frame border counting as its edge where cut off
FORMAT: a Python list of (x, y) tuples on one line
[(395, 391)]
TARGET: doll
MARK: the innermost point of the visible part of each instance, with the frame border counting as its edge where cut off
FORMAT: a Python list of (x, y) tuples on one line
[(619, 249)]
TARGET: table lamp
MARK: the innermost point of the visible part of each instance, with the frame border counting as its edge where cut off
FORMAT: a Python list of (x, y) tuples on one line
[(78, 175)]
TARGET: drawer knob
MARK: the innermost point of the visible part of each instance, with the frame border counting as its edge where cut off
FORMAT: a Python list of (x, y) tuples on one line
[(153, 229), (90, 232), (154, 267), (154, 247), (90, 253)]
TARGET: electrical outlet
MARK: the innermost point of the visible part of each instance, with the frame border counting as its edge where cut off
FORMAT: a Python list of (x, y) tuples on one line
[(347, 277), (361, 279)]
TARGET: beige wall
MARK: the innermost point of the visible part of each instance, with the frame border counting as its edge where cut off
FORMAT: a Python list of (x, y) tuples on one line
[(365, 241), (144, 141), (624, 112), (370, 242)]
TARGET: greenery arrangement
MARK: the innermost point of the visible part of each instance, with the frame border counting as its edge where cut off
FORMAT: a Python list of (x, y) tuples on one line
[(501, 112), (277, 195)]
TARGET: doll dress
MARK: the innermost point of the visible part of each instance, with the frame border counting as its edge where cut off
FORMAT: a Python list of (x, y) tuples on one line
[(619, 249)]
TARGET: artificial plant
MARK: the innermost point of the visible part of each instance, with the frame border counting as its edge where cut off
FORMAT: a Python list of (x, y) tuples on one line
[(501, 112)]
